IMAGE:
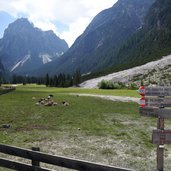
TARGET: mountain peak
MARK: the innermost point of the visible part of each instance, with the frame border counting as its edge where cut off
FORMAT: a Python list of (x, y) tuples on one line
[(21, 22), (25, 46), (19, 26)]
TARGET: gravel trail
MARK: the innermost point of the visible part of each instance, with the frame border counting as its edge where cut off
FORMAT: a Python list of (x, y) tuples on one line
[(112, 98)]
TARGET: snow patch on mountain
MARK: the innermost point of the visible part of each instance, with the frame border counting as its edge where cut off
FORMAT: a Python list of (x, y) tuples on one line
[(59, 54), (46, 58), (154, 70), (21, 62)]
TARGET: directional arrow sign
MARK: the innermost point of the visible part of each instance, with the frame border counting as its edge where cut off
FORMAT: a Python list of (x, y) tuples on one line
[(161, 137), (156, 91), (151, 112), (155, 112), (158, 102)]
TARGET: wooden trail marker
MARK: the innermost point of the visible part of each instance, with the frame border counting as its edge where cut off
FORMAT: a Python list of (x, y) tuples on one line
[(161, 137), (155, 112), (158, 102), (154, 107), (155, 91)]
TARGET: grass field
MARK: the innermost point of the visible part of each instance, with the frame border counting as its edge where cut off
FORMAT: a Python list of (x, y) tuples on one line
[(89, 128), (115, 92)]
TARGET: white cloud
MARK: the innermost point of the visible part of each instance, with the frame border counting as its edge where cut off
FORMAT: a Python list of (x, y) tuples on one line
[(46, 25), (76, 14), (75, 29)]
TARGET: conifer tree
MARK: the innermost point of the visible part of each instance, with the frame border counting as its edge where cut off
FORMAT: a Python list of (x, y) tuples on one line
[(47, 80)]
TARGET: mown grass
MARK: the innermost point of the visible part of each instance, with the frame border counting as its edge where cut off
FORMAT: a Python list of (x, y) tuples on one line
[(114, 92), (85, 117)]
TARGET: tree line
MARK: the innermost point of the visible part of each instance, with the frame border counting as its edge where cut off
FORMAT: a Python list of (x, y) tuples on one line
[(60, 80)]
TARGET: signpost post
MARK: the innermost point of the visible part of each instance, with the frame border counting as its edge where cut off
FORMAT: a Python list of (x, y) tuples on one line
[(154, 106), (160, 147)]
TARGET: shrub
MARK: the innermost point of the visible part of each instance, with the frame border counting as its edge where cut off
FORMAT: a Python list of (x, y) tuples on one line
[(104, 84), (132, 86)]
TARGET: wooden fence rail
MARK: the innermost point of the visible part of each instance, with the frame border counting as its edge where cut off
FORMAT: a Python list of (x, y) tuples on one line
[(37, 157), (6, 90), (19, 166)]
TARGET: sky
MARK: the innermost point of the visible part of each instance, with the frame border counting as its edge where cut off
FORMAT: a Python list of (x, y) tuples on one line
[(67, 18)]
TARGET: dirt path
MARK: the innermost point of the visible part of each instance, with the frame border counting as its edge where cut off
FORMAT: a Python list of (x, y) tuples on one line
[(108, 97)]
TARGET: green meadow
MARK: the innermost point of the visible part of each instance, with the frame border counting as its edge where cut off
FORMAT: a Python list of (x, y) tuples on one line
[(89, 128), (19, 109)]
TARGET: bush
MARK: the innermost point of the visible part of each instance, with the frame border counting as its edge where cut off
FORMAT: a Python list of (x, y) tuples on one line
[(132, 86), (110, 85), (104, 84)]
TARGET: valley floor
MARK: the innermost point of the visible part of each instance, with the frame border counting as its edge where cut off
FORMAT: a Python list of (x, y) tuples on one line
[(90, 128)]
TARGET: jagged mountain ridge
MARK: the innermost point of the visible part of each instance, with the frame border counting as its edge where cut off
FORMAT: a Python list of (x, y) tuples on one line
[(25, 47), (93, 49), (151, 42)]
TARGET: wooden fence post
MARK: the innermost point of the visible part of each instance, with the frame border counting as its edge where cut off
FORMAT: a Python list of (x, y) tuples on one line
[(160, 147), (34, 162)]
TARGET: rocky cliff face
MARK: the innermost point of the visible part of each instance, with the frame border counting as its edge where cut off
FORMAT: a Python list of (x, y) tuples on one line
[(24, 47), (94, 49), (151, 42), (1, 69), (1, 66)]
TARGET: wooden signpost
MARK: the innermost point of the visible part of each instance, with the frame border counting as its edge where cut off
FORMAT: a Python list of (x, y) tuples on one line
[(158, 102), (161, 137), (154, 106), (155, 91), (155, 112)]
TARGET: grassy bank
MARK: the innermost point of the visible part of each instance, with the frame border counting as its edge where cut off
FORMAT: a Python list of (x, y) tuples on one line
[(89, 128)]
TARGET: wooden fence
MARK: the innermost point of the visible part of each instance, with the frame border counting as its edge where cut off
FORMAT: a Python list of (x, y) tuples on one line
[(36, 157), (7, 90)]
